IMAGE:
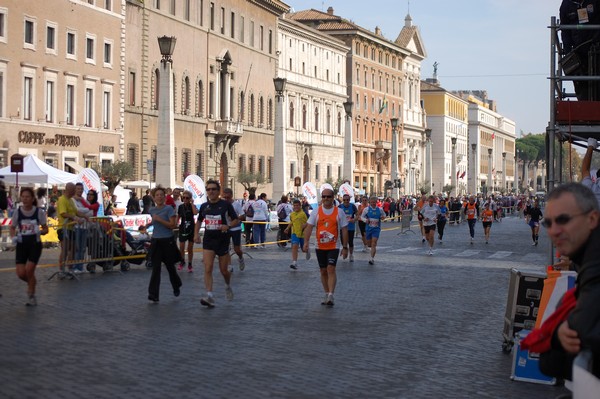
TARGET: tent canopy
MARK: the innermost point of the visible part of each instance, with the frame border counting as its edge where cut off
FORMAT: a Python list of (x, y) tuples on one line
[(37, 171)]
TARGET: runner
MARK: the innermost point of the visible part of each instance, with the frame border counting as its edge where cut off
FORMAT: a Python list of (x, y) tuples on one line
[(330, 221), (418, 207), (430, 212), (219, 216), (185, 213), (236, 232), (372, 216), (471, 210), (364, 204), (350, 211), (487, 218), (534, 215), (25, 230), (249, 218), (296, 227), (441, 222)]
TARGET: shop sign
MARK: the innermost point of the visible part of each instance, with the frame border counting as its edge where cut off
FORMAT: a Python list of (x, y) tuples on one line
[(61, 140)]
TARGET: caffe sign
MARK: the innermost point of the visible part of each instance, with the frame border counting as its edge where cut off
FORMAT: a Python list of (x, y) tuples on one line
[(61, 140)]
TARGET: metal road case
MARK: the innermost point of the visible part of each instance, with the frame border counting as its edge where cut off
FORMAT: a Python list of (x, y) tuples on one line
[(524, 294), (526, 365)]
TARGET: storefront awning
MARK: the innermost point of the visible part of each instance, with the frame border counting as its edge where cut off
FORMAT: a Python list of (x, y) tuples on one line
[(74, 165)]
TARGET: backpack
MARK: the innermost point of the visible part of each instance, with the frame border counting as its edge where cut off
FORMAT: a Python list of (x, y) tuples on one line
[(282, 212), (250, 211)]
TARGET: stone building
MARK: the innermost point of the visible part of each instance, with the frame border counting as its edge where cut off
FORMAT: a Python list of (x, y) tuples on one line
[(61, 81), (382, 78), (314, 66), (223, 68)]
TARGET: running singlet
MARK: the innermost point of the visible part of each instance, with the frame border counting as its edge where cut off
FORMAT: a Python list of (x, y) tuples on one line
[(373, 216), (471, 211), (215, 215), (488, 216), (327, 229), (350, 212), (430, 214)]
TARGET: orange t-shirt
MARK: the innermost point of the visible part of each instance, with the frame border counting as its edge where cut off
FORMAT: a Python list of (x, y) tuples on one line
[(488, 215), (327, 229), (471, 211)]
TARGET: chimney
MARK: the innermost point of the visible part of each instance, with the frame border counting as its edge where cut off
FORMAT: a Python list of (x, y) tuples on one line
[(330, 10), (377, 31)]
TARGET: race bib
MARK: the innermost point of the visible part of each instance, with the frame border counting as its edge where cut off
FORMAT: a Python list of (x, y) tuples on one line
[(212, 222), (373, 223), (29, 227), (325, 237)]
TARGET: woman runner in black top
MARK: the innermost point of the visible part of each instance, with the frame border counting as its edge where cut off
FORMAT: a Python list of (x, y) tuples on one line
[(535, 215), (185, 214)]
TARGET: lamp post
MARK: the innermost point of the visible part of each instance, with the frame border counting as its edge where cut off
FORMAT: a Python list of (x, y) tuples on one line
[(396, 189), (453, 179), (473, 188), (279, 141), (165, 156), (349, 160), (517, 156), (504, 170), (428, 161), (490, 185)]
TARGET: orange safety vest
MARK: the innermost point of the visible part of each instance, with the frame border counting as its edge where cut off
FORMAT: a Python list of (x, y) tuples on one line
[(471, 211), (327, 229)]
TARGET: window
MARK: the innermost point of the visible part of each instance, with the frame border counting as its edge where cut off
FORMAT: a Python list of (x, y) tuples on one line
[(329, 171), (252, 161), (89, 49), (200, 110), (211, 100), (107, 53), (201, 13), (89, 110), (28, 98), (270, 41), (261, 165), (157, 4), (242, 163), (3, 16), (70, 105), (106, 110), (304, 117), (328, 127), (251, 109), (270, 169), (2, 93), (50, 101), (222, 20), (186, 10), (29, 33), (70, 45), (291, 114), (292, 170), (50, 38), (317, 171), (186, 156), (156, 91), (261, 112), (339, 123), (242, 33), (252, 33), (232, 27), (199, 162), (261, 37), (131, 88), (108, 4), (172, 7), (185, 91), (316, 119), (212, 16), (242, 106)]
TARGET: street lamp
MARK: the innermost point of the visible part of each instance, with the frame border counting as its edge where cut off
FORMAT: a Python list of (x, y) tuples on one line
[(165, 156), (349, 160), (279, 168), (490, 185), (453, 178), (475, 176), (504, 170), (396, 190)]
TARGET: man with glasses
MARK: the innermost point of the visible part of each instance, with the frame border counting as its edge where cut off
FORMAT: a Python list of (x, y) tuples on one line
[(330, 221), (218, 216), (572, 220), (350, 212)]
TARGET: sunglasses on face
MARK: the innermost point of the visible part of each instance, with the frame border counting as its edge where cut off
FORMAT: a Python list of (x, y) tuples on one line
[(326, 196), (186, 197), (212, 189), (346, 199), (560, 220)]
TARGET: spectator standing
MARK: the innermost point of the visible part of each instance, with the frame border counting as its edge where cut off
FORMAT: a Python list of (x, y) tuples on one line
[(133, 205), (147, 203), (261, 216)]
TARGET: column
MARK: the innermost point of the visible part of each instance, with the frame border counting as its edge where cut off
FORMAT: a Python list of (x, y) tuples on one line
[(490, 184), (473, 171), (504, 170), (394, 172), (279, 165), (453, 179), (349, 161), (428, 161), (165, 157)]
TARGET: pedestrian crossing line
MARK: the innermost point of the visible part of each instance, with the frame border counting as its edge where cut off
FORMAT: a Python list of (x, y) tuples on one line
[(407, 249), (468, 253), (501, 254)]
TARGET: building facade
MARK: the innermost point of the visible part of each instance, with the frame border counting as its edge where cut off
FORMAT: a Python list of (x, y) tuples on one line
[(448, 119), (382, 79), (314, 66), (61, 81), (223, 68)]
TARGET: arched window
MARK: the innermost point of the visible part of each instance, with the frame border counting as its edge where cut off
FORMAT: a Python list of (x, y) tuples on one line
[(242, 106), (156, 87), (304, 116), (316, 119), (185, 90), (270, 113), (339, 123), (200, 110), (261, 112), (251, 109), (328, 121), (291, 114)]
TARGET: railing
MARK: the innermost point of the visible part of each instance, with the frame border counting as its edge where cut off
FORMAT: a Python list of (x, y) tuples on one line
[(229, 127)]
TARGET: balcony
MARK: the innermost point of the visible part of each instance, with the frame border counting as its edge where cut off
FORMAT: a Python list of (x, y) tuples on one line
[(229, 128), (383, 145)]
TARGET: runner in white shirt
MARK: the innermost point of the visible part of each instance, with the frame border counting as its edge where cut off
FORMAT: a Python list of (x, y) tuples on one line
[(430, 211)]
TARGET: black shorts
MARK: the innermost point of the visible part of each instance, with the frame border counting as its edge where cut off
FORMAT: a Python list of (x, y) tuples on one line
[(183, 237), (30, 250), (429, 228), (362, 226), (486, 224), (219, 244), (327, 257), (236, 237)]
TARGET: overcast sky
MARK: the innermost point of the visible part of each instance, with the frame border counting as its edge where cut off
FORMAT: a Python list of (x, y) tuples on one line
[(502, 46)]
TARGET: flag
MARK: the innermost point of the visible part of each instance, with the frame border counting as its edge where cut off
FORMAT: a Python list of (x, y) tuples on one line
[(493, 135), (457, 173), (463, 174), (384, 104)]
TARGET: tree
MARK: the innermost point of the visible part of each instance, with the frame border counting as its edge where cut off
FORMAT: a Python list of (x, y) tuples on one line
[(448, 188), (113, 173), (250, 181), (335, 184), (424, 188)]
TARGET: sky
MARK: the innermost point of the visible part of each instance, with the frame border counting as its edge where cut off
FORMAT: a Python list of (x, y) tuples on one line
[(501, 46)]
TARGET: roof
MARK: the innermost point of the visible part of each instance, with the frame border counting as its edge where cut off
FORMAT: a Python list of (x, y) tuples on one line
[(410, 38)]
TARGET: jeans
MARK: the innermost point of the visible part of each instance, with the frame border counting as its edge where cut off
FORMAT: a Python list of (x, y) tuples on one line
[(259, 232), (80, 247)]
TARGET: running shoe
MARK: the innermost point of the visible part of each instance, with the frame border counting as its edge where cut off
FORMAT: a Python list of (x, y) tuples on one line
[(486, 241), (229, 293), (471, 240), (190, 268), (364, 249), (241, 263), (329, 301), (324, 301), (536, 243), (230, 268), (31, 301), (208, 301), (153, 298), (430, 252), (308, 255), (293, 266), (423, 240), (351, 258), (181, 265), (371, 261)]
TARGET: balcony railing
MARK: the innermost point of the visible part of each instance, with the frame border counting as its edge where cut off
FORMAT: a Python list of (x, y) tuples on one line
[(229, 128)]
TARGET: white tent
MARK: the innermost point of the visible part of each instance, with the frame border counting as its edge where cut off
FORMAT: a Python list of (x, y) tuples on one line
[(37, 171)]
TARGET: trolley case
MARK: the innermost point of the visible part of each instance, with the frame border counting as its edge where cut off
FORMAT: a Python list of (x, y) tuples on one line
[(526, 365), (524, 294)]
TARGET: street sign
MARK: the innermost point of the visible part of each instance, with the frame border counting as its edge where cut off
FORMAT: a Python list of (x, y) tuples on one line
[(150, 166), (16, 163)]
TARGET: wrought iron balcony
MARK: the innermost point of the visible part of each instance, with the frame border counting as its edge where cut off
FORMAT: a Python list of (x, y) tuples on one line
[(230, 128)]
